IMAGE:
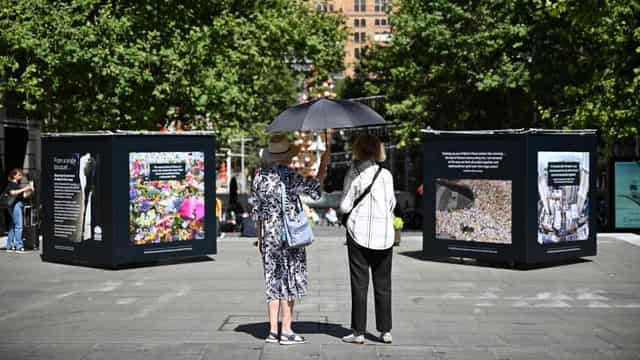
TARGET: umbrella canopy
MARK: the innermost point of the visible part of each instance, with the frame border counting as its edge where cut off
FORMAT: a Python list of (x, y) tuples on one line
[(325, 114)]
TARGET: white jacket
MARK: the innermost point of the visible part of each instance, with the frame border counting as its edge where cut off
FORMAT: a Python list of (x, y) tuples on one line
[(371, 222)]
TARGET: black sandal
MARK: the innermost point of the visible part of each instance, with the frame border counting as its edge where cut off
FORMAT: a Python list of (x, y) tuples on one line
[(272, 338)]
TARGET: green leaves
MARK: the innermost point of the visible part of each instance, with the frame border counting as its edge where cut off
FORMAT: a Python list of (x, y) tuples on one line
[(509, 64), (90, 64)]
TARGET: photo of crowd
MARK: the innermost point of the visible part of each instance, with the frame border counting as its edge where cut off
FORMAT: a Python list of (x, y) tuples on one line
[(563, 210), (474, 210), (166, 206)]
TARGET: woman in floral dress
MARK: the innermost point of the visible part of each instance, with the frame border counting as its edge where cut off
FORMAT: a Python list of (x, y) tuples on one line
[(285, 269)]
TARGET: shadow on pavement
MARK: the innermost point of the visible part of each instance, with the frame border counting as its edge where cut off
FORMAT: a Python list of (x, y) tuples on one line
[(164, 262), (260, 330), (419, 255)]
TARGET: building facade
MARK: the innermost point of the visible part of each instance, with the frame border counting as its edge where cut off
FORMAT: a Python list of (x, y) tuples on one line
[(367, 21)]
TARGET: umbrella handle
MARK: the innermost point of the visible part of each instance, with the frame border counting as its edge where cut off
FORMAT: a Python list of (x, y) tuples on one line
[(326, 139)]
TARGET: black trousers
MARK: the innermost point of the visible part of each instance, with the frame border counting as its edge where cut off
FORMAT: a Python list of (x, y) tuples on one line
[(360, 260)]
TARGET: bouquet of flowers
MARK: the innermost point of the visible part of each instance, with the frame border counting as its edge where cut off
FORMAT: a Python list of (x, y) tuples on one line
[(166, 210)]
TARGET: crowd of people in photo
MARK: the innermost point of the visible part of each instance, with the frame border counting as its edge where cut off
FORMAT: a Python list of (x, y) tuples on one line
[(486, 219)]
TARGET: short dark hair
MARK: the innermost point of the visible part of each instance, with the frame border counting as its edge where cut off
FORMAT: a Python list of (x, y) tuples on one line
[(14, 172)]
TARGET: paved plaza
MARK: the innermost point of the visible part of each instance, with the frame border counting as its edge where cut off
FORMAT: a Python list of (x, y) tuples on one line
[(214, 308)]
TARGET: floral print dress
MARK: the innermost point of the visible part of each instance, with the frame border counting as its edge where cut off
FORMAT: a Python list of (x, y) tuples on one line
[(285, 269)]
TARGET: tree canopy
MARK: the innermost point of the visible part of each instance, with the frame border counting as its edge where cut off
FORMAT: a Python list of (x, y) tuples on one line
[(508, 64), (223, 64)]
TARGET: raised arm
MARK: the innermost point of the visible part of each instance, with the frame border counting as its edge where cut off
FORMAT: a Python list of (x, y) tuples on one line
[(21, 190)]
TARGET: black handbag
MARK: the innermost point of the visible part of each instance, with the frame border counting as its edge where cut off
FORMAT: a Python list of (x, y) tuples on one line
[(345, 217), (6, 199)]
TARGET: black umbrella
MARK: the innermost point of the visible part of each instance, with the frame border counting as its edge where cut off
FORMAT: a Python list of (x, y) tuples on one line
[(325, 114)]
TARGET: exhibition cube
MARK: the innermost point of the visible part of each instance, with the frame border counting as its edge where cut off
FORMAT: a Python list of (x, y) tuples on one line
[(114, 199), (624, 192), (516, 196)]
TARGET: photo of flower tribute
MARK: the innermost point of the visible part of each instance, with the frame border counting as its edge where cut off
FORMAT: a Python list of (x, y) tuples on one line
[(166, 197)]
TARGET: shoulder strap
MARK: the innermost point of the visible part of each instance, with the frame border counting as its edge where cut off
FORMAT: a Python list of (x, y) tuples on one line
[(283, 192), (366, 191)]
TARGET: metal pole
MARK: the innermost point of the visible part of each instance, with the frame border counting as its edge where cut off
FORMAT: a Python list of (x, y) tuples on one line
[(228, 171), (242, 175)]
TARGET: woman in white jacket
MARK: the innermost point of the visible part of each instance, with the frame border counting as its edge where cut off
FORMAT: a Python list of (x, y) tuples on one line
[(370, 235)]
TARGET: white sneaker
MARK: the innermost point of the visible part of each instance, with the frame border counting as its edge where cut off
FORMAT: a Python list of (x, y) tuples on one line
[(21, 251), (386, 338), (291, 339), (354, 339)]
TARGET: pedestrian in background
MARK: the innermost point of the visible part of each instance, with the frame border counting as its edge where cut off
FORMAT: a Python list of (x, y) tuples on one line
[(17, 193), (368, 201), (219, 234), (285, 269), (331, 216)]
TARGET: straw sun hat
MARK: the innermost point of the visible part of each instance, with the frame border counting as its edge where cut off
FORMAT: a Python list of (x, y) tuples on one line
[(280, 149)]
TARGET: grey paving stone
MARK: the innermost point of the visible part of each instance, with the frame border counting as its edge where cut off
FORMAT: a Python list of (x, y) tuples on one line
[(30, 351), (302, 351), (572, 353), (521, 353), (348, 351), (232, 352), (216, 309), (462, 353), (146, 351), (620, 354), (406, 352)]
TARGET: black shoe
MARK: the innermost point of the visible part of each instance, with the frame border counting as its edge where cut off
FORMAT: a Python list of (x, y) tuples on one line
[(272, 338)]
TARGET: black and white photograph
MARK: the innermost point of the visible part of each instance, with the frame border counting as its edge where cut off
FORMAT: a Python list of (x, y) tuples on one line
[(74, 189), (563, 186)]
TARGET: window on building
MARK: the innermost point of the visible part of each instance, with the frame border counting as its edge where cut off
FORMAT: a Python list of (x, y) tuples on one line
[(380, 5), (356, 22), (360, 5), (356, 37), (383, 22), (363, 37), (376, 22), (363, 22), (356, 53), (323, 6)]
